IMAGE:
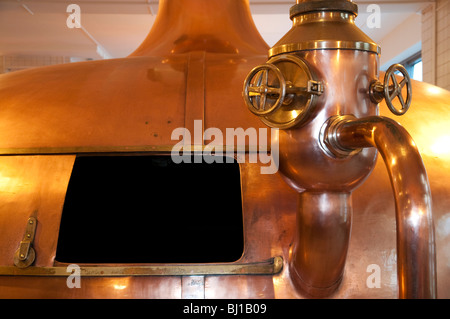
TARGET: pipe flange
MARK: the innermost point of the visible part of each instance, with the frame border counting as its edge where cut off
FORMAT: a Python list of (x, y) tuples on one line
[(329, 139)]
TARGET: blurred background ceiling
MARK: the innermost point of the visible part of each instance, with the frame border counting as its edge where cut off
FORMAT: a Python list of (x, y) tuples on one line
[(114, 28)]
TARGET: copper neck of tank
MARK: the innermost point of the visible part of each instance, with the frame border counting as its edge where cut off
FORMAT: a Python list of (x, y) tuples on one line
[(306, 6), (324, 24), (216, 26)]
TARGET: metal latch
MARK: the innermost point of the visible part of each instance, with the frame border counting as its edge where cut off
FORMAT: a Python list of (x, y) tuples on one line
[(26, 255), (315, 87)]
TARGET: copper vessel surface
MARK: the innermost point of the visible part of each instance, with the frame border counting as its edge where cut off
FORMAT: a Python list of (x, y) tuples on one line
[(194, 70)]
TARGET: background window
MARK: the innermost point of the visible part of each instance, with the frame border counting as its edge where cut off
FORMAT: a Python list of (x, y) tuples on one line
[(414, 66)]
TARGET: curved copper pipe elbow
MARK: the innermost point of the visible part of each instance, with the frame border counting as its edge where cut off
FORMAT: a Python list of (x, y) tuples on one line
[(416, 259), (319, 251)]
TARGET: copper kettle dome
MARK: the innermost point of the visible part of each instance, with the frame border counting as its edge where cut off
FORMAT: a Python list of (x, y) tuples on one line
[(194, 50)]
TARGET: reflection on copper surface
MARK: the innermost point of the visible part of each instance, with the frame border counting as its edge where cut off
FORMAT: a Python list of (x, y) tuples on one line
[(441, 146)]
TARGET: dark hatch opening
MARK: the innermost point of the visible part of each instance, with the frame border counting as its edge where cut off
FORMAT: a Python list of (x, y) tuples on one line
[(147, 209)]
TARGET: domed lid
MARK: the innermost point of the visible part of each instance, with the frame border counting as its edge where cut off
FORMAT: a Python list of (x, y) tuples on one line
[(190, 67)]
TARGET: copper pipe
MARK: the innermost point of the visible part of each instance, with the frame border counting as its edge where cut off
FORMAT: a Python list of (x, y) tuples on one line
[(416, 259), (321, 241)]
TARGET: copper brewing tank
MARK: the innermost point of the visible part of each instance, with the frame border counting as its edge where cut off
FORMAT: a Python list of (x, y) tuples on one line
[(192, 66)]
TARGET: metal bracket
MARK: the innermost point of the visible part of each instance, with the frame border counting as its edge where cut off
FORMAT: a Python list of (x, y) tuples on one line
[(25, 254), (315, 87)]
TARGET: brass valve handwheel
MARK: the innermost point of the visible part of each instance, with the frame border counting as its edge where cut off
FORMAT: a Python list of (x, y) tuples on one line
[(261, 97), (282, 92), (393, 89)]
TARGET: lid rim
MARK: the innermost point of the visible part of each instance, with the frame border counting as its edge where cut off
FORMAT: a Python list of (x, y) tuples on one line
[(325, 44)]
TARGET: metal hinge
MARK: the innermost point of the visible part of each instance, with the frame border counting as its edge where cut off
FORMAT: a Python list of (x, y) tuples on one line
[(26, 255)]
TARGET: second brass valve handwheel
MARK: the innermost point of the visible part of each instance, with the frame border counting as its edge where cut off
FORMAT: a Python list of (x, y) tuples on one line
[(260, 97), (392, 89)]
